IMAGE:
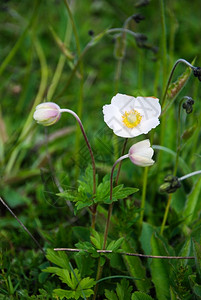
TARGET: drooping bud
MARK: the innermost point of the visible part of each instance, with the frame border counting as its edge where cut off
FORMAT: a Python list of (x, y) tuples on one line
[(141, 154), (171, 184), (47, 113)]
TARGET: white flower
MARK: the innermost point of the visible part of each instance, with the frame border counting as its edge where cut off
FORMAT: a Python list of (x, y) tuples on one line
[(141, 154), (128, 116), (47, 113)]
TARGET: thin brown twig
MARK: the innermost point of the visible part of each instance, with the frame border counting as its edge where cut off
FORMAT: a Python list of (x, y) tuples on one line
[(126, 253)]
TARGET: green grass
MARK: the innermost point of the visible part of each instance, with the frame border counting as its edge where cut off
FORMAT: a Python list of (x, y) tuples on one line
[(37, 163)]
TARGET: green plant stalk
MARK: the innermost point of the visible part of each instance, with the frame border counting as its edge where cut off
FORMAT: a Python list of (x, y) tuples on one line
[(80, 102), (176, 164), (166, 213), (144, 189), (60, 65), (38, 99)]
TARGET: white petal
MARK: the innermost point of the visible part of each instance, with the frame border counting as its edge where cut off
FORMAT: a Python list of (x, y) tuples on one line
[(148, 107), (140, 146), (123, 102), (141, 160), (147, 125), (112, 117)]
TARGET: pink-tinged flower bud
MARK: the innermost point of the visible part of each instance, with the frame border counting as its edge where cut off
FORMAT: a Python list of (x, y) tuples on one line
[(47, 113), (141, 154)]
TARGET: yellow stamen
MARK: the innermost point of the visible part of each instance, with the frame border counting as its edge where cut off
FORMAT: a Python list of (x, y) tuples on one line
[(132, 118)]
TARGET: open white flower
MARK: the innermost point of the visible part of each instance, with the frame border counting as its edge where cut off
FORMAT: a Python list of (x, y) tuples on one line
[(141, 154), (128, 116)]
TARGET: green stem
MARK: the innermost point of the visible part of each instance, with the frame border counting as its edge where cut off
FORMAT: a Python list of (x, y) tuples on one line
[(166, 213), (144, 189), (60, 65), (176, 162)]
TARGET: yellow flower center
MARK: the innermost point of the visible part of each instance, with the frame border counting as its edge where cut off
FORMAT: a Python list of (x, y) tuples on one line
[(132, 118)]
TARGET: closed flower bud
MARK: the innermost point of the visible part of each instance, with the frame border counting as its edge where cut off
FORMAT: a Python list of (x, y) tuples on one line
[(47, 113), (141, 154), (171, 184)]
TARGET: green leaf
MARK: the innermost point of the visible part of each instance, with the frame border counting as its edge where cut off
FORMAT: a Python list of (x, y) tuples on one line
[(160, 269), (59, 258), (86, 283), (115, 245), (65, 276), (145, 238), (62, 294), (96, 239), (197, 254), (193, 205), (86, 184), (135, 267), (123, 290), (197, 290), (141, 296), (103, 190), (110, 295), (186, 251), (119, 192)]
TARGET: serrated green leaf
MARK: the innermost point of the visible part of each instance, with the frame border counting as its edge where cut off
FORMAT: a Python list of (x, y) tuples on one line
[(123, 290), (58, 258), (110, 295), (103, 190), (62, 294), (63, 274), (86, 283), (119, 192), (141, 296), (96, 239), (115, 245), (193, 205), (79, 205), (102, 261)]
